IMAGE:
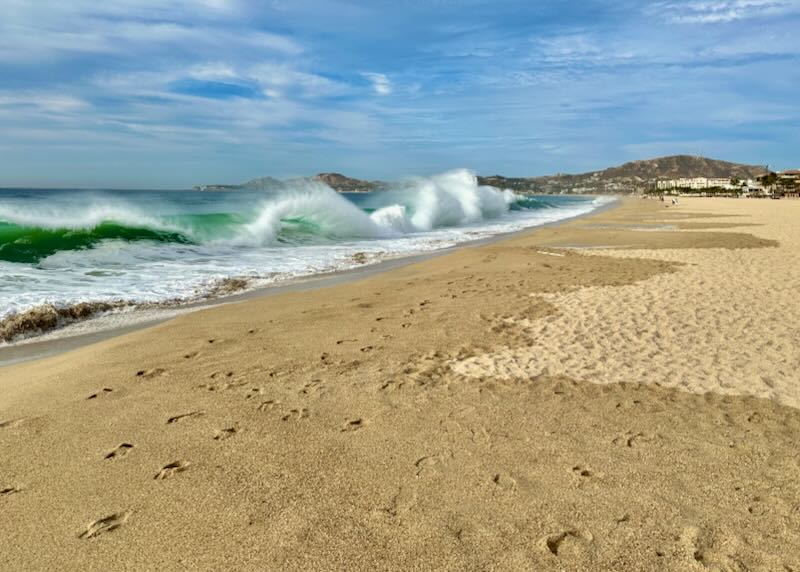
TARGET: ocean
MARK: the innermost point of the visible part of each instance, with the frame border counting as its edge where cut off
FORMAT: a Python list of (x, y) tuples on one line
[(133, 248)]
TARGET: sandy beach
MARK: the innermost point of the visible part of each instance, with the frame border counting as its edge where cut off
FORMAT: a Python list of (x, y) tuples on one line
[(620, 392)]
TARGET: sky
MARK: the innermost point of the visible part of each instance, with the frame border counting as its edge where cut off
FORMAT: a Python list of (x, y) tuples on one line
[(157, 94)]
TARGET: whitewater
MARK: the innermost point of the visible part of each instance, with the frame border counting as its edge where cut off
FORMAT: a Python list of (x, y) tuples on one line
[(129, 248)]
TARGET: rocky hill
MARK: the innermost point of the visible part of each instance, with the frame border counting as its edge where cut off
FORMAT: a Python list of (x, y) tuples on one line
[(336, 181), (678, 166), (343, 184), (630, 177), (259, 184)]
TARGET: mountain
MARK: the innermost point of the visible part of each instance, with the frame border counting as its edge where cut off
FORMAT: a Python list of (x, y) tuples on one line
[(336, 181), (678, 166), (263, 184), (630, 177), (343, 184), (259, 184)]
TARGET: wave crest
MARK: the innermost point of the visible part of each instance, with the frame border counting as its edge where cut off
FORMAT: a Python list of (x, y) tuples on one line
[(305, 211)]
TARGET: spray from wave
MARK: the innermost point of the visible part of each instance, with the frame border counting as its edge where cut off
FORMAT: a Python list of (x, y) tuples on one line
[(304, 212), (70, 255)]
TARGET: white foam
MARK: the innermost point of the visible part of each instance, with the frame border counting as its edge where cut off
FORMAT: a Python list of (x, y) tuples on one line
[(421, 215)]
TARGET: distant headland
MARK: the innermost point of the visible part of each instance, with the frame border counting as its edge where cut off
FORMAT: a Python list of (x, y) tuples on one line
[(673, 172)]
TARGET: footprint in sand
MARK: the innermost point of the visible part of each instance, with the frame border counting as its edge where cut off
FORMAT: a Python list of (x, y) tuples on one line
[(630, 440), (296, 415), (171, 470), (268, 405), (217, 374), (425, 465), (185, 416), (107, 524), (226, 433), (120, 451), (559, 541), (354, 424), (314, 388), (403, 501), (150, 373), (505, 482), (581, 471), (11, 423), (100, 393), (754, 417), (254, 392)]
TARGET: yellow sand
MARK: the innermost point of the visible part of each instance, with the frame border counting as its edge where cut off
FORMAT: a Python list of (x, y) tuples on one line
[(728, 322), (514, 406)]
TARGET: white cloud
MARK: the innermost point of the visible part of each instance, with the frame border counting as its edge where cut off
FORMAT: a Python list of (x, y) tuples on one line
[(380, 83), (722, 11), (44, 102), (45, 31), (280, 78)]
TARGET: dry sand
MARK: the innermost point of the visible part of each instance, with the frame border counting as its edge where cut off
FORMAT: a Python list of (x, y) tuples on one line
[(513, 406)]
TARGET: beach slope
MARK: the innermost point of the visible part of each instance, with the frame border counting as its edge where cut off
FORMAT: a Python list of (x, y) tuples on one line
[(619, 392)]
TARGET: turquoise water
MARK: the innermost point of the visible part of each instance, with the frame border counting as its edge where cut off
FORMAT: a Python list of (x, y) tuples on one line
[(70, 246)]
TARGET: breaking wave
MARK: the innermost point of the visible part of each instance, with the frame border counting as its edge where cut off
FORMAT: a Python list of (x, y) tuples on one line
[(304, 212)]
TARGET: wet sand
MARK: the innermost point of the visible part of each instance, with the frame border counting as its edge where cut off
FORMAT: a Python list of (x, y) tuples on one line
[(80, 333), (627, 403)]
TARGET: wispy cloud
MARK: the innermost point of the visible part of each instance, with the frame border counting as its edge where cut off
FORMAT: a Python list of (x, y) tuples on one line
[(722, 11), (380, 83), (200, 90)]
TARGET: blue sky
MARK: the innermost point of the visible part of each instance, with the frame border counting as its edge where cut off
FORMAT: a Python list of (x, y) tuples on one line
[(148, 93)]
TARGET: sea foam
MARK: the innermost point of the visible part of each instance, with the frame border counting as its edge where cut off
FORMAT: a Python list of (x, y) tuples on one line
[(71, 247)]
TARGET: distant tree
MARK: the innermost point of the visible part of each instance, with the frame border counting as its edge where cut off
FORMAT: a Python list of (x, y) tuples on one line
[(769, 179)]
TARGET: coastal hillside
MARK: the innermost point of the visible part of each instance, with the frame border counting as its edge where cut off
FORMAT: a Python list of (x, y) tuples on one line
[(336, 181), (678, 166), (343, 184), (259, 184), (630, 177)]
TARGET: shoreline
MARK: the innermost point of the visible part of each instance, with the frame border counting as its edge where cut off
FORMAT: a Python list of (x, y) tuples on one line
[(54, 342), (517, 405)]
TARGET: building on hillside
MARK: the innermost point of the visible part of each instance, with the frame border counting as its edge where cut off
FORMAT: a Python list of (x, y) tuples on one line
[(722, 183), (790, 181), (695, 183)]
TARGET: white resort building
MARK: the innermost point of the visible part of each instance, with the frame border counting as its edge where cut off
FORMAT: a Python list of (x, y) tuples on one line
[(696, 183)]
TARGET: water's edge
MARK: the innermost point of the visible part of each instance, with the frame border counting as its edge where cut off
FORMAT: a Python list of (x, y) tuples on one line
[(33, 349)]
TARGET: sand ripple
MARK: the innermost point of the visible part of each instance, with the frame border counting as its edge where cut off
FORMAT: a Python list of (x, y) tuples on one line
[(728, 321)]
